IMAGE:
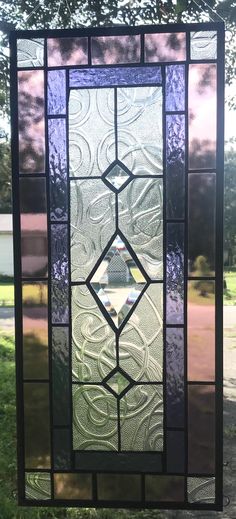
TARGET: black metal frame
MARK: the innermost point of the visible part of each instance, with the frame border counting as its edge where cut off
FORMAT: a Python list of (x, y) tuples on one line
[(219, 27)]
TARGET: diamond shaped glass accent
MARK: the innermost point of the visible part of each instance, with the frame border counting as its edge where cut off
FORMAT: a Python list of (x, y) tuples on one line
[(118, 382), (118, 281), (117, 176)]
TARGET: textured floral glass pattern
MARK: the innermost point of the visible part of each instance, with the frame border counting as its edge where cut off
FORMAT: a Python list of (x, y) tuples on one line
[(114, 76), (60, 375), (175, 377), (30, 53), (203, 45), (92, 224), (115, 49), (38, 485), (141, 221), (92, 147), (139, 133), (94, 344), (175, 88), (201, 490), (175, 165), (58, 168), (59, 273), (141, 340), (56, 92), (175, 274)]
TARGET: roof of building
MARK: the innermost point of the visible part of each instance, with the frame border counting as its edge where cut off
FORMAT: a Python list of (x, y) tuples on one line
[(6, 223)]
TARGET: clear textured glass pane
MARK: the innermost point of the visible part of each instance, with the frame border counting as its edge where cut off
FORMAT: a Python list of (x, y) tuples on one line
[(92, 224), (201, 429), (165, 488), (141, 418), (38, 485), (31, 121), (60, 376), (91, 146), (165, 47), (93, 341), (114, 76), (115, 49), (202, 116), (56, 92), (203, 45), (201, 490), (59, 274), (118, 281), (118, 382), (175, 88), (175, 273), (141, 221), (94, 418), (175, 165), (201, 330), (139, 133), (73, 486), (175, 377), (201, 224), (141, 340), (67, 51), (35, 330), (119, 487), (37, 425), (34, 235), (58, 169), (117, 176), (30, 53)]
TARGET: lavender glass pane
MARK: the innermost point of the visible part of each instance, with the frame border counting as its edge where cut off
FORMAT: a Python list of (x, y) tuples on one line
[(175, 274), (67, 51), (114, 76), (175, 87), (59, 273), (115, 49), (56, 92), (31, 121), (175, 377), (34, 240), (60, 375), (202, 116), (175, 165), (165, 47), (57, 168), (175, 452)]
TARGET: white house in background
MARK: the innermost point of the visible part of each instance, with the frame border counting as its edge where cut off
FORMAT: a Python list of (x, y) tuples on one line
[(6, 245)]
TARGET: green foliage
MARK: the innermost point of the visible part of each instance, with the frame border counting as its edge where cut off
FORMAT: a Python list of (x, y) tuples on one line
[(5, 178), (230, 205)]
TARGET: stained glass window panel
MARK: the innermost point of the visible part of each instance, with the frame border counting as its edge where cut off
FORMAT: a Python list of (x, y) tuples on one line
[(117, 194)]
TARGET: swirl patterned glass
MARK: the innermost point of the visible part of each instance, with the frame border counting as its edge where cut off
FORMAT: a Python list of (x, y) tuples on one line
[(117, 193)]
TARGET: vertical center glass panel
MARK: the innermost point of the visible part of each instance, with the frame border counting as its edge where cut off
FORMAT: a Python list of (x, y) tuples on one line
[(116, 218)]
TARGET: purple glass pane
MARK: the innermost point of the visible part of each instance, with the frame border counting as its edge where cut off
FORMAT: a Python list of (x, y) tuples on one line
[(115, 49), (175, 164), (115, 76), (175, 452), (56, 92), (175, 88), (59, 273), (165, 47), (175, 377), (58, 168), (67, 51), (175, 274)]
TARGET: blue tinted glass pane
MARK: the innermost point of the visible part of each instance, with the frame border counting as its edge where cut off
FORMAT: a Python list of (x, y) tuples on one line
[(175, 452), (115, 76), (60, 375), (175, 164), (175, 88), (59, 273), (175, 377), (58, 168), (175, 273), (56, 92)]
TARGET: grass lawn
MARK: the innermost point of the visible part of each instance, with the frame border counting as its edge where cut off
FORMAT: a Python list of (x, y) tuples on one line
[(8, 487), (230, 292), (6, 294)]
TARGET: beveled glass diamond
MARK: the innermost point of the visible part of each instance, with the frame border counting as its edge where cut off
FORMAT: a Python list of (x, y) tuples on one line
[(118, 382), (117, 176), (118, 281)]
